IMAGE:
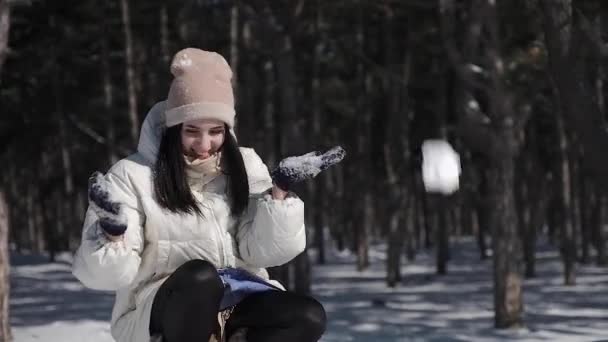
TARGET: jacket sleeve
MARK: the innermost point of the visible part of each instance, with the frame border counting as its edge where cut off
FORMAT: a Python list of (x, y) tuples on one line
[(100, 263), (271, 232)]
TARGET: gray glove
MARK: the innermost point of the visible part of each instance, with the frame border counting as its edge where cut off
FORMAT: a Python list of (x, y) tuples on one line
[(296, 169), (111, 220)]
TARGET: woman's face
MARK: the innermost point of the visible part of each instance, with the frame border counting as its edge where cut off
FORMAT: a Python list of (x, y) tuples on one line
[(202, 138)]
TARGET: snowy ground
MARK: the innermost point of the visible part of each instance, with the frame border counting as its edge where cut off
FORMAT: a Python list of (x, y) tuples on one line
[(48, 304)]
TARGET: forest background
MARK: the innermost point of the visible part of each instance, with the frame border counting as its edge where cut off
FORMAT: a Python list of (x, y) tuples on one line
[(517, 87)]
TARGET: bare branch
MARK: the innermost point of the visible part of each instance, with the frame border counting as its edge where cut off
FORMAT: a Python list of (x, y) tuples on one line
[(592, 36), (91, 133), (459, 63), (4, 30)]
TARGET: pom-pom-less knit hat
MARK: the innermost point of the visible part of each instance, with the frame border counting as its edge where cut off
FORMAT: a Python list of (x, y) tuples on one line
[(201, 88)]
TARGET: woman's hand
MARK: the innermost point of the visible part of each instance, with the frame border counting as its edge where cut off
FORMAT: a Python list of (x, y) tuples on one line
[(111, 220), (297, 169)]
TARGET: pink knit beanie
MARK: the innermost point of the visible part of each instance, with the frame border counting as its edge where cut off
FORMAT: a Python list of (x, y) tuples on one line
[(201, 88)]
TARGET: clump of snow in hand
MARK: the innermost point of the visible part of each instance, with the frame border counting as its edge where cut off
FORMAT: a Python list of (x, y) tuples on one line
[(440, 167), (309, 164), (312, 163)]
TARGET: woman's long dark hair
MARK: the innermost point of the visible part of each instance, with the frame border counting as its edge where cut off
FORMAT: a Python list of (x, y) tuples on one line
[(171, 187), (234, 168)]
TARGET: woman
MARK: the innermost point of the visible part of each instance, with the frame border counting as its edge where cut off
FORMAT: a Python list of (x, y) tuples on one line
[(184, 228)]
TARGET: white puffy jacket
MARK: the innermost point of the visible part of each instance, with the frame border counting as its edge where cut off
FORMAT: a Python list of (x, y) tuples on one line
[(269, 233)]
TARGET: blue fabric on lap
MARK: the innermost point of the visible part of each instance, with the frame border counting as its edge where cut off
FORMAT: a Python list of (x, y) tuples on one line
[(238, 284)]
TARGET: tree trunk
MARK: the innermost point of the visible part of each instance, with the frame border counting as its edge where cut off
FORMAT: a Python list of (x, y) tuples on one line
[(361, 237), (600, 72), (441, 202), (39, 232), (505, 243), (5, 11), (599, 235), (271, 138), (567, 245), (5, 328), (576, 192), (16, 190), (234, 46), (395, 246), (522, 194), (49, 234), (395, 149), (507, 125), (430, 222), (108, 94), (410, 228), (532, 199), (273, 144), (528, 236), (318, 187), (64, 204), (539, 201), (362, 126), (567, 45), (483, 215), (442, 237), (497, 140), (290, 132), (588, 202), (553, 216), (420, 219), (595, 229), (130, 71), (320, 206), (339, 219), (302, 262), (31, 217), (165, 52)]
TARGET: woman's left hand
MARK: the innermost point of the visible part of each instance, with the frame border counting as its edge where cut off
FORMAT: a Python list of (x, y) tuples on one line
[(296, 169)]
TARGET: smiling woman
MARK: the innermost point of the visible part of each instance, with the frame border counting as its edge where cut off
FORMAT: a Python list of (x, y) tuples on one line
[(202, 138), (183, 229), (193, 154)]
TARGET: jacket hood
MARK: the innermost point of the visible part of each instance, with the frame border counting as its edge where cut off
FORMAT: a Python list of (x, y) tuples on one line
[(151, 132)]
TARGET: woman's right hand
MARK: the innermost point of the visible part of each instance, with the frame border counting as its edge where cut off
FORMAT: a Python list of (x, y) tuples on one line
[(111, 220)]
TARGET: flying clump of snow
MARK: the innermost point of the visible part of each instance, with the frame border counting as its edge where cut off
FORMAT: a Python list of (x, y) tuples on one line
[(440, 167)]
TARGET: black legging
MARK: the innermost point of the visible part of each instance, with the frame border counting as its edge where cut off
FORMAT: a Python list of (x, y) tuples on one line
[(185, 309)]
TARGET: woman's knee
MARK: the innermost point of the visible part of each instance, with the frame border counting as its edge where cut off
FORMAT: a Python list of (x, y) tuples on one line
[(198, 274), (313, 316)]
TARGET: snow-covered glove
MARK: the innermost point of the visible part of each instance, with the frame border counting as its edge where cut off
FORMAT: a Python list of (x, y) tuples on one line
[(296, 169), (440, 167), (111, 219)]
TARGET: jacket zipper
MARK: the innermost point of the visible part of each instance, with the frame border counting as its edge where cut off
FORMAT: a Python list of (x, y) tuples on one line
[(218, 232), (220, 241)]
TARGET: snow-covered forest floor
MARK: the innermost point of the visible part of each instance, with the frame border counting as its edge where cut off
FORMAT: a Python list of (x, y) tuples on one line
[(48, 304)]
